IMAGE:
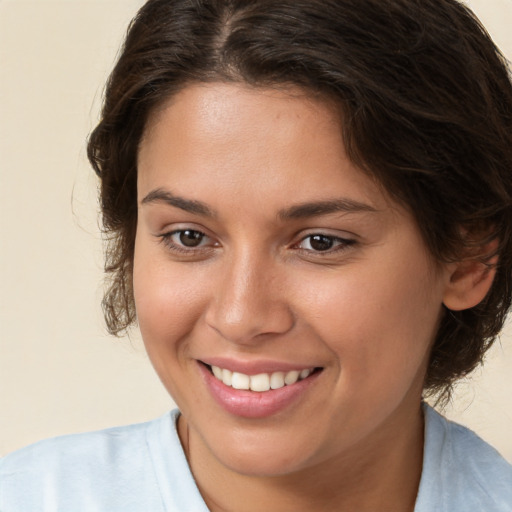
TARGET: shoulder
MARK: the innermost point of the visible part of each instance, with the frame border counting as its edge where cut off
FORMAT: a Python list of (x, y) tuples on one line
[(99, 465), (112, 445), (461, 471)]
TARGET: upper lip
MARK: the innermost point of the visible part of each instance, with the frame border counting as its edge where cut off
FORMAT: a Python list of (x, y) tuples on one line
[(255, 367)]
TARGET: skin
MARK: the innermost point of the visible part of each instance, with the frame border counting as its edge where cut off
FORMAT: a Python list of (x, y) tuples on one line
[(365, 311)]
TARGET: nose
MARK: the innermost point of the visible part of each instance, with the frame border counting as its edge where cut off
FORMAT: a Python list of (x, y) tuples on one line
[(250, 301)]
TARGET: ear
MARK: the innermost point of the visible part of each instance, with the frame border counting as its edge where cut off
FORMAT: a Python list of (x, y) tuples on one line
[(469, 282)]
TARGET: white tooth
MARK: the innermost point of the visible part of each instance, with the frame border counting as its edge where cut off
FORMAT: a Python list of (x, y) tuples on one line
[(277, 380), (260, 382), (291, 377), (217, 372), (240, 381), (227, 377), (305, 373)]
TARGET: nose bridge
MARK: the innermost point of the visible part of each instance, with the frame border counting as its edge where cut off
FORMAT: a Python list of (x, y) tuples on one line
[(249, 300)]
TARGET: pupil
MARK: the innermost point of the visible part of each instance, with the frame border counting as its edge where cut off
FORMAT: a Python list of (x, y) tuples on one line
[(191, 238), (321, 243)]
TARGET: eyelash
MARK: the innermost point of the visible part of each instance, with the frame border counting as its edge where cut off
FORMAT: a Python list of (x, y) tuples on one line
[(339, 244), (167, 240)]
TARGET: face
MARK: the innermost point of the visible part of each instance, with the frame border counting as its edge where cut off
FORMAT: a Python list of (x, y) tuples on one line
[(286, 303)]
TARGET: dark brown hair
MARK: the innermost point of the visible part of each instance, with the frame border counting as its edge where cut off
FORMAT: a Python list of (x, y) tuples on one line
[(426, 103)]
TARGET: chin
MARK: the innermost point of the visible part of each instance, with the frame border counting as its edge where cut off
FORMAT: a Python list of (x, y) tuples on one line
[(262, 463), (264, 452)]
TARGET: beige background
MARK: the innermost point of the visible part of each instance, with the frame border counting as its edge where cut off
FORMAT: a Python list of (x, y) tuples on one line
[(59, 371)]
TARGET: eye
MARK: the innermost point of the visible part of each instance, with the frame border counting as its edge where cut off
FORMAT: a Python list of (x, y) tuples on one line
[(186, 241), (322, 243), (188, 237)]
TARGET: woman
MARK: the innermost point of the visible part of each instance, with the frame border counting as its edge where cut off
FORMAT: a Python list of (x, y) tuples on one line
[(309, 208)]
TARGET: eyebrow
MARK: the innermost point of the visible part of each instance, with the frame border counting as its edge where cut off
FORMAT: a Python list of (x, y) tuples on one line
[(318, 208), (299, 211), (189, 205)]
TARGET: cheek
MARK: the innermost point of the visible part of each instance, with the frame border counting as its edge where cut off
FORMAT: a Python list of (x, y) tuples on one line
[(167, 300), (379, 323)]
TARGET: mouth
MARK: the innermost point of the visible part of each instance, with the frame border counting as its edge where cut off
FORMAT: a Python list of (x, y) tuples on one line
[(260, 382), (257, 394)]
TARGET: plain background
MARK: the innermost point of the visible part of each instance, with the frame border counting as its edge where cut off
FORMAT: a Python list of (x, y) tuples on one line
[(59, 371)]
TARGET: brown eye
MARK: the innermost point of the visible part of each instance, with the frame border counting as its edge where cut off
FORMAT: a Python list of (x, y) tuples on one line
[(321, 242), (318, 243), (189, 243), (190, 238)]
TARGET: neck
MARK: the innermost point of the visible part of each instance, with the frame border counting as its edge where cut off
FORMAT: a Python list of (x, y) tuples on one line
[(381, 473)]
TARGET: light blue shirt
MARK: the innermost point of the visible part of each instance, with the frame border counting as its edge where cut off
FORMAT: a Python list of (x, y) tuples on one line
[(142, 468)]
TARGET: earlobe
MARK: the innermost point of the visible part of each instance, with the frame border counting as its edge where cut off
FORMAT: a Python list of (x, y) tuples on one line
[(470, 281)]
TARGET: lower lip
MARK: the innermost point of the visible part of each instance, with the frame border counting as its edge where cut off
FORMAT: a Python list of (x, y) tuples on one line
[(252, 404)]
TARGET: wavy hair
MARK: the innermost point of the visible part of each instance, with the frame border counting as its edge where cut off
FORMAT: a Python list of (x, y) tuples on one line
[(426, 104)]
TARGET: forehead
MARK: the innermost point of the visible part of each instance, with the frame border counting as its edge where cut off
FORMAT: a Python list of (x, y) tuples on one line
[(230, 137), (222, 114)]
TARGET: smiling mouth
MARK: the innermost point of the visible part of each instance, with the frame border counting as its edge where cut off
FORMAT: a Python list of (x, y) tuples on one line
[(261, 382)]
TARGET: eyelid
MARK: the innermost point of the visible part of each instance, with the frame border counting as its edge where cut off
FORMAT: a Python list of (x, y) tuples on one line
[(166, 238), (203, 235), (341, 243)]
